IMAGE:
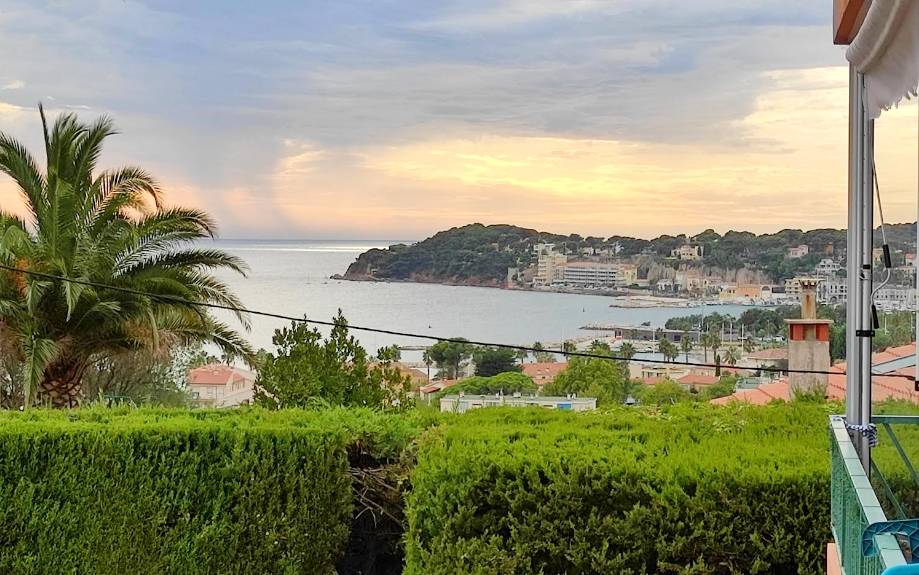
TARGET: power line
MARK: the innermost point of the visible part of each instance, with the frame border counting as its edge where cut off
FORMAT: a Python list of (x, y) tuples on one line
[(242, 310)]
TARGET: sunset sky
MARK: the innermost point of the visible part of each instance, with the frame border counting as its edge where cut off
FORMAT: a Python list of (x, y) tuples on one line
[(396, 118)]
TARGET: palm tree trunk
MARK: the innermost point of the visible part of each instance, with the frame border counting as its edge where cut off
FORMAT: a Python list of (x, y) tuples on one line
[(60, 384)]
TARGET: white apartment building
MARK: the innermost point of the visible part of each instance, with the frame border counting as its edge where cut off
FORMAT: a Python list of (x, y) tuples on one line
[(832, 290), (463, 402), (589, 273), (550, 268), (555, 269), (896, 298), (793, 287), (827, 267)]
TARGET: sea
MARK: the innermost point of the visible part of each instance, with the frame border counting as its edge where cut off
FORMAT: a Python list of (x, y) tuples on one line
[(292, 277)]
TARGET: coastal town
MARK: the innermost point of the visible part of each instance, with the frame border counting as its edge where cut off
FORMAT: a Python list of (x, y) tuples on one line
[(687, 282)]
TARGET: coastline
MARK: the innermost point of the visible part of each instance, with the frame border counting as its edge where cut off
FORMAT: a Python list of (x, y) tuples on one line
[(627, 299)]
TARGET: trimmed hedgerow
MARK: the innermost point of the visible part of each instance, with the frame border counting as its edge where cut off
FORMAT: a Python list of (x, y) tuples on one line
[(691, 489), (159, 491)]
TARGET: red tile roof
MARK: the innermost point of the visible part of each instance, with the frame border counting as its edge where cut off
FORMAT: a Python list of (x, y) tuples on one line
[(438, 385), (693, 379), (882, 387), (543, 372), (218, 374), (771, 354)]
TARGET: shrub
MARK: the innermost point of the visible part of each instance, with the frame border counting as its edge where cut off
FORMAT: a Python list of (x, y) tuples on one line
[(508, 383), (688, 489), (307, 371), (159, 491), (605, 379)]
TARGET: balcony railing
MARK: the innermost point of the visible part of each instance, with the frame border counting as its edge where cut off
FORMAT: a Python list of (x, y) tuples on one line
[(868, 542)]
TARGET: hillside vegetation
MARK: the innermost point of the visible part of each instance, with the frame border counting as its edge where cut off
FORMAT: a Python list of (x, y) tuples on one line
[(476, 254)]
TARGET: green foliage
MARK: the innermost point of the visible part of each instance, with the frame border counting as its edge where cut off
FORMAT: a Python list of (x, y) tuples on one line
[(668, 349), (141, 378), (161, 491), (307, 370), (606, 379), (725, 386), (626, 351), (690, 489), (450, 356), (480, 255), (389, 354), (494, 360), (107, 227), (666, 392), (542, 355), (474, 253), (509, 382)]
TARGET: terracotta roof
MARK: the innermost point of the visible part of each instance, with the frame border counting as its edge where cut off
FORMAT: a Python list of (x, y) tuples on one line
[(693, 379), (438, 385), (772, 353), (543, 372), (415, 374), (882, 387), (218, 374), (758, 396)]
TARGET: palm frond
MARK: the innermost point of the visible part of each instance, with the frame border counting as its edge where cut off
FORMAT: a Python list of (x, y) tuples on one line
[(123, 188), (190, 259), (39, 353), (18, 163), (89, 147)]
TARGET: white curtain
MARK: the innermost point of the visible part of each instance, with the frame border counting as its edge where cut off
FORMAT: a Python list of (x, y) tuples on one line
[(886, 51)]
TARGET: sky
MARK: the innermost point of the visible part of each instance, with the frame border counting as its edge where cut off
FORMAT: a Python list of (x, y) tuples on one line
[(393, 119)]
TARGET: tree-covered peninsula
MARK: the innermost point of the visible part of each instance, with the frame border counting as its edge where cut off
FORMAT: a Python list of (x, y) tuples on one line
[(477, 254)]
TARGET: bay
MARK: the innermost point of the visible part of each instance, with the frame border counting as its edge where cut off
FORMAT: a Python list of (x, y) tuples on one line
[(291, 277)]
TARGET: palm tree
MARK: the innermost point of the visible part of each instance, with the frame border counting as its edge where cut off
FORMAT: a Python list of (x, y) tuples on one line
[(732, 355), (569, 346), (627, 351), (714, 342), (685, 346), (705, 340), (107, 228), (668, 350), (522, 355), (663, 347), (749, 344)]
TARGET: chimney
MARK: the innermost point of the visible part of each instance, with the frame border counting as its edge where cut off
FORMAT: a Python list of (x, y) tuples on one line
[(808, 298), (808, 345)]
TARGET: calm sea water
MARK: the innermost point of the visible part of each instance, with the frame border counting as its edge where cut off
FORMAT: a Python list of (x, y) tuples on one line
[(292, 278)]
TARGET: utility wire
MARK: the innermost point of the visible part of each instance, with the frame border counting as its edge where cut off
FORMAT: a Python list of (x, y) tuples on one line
[(241, 310)]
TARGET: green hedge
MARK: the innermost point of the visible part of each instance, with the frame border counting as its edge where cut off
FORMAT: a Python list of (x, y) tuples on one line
[(686, 489), (691, 489), (154, 491)]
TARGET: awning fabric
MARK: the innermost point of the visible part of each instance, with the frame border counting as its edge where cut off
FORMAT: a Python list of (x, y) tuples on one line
[(886, 51)]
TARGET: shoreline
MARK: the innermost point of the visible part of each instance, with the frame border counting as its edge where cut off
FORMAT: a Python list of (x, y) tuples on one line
[(621, 299), (570, 291)]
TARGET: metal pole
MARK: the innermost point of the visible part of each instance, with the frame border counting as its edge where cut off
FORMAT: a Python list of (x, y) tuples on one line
[(867, 272), (853, 248)]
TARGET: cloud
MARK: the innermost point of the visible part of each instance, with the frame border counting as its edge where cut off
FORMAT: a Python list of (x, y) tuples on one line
[(13, 85), (574, 115)]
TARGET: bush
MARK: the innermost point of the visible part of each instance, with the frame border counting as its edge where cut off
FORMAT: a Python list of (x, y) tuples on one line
[(159, 491), (508, 383), (688, 489)]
